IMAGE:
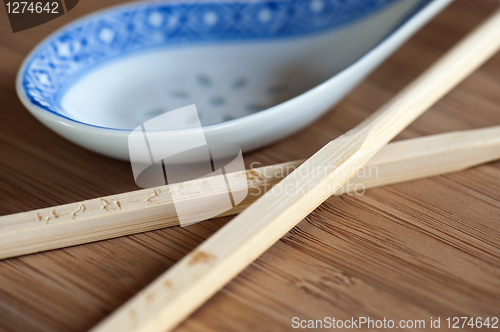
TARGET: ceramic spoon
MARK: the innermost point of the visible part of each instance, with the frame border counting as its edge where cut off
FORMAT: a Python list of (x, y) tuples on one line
[(254, 80)]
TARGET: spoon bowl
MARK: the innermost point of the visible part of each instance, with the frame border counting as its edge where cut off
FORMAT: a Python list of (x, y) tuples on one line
[(257, 71)]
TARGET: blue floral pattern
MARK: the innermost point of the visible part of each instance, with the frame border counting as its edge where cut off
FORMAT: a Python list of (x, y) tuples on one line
[(140, 26)]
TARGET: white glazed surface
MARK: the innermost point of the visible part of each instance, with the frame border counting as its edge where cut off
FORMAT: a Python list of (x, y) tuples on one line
[(295, 81)]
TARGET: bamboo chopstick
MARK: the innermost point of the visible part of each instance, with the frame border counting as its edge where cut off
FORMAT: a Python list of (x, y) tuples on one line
[(188, 284), (141, 211)]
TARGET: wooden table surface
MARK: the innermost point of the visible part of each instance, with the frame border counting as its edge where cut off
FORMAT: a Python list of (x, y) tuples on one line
[(428, 248)]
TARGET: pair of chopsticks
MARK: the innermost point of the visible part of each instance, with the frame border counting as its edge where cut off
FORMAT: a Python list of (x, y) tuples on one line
[(146, 210), (179, 291)]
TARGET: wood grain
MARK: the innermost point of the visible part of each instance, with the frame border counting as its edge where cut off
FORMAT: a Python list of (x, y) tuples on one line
[(414, 250)]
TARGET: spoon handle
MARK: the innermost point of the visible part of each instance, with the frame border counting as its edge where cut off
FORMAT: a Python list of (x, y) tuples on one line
[(178, 292)]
